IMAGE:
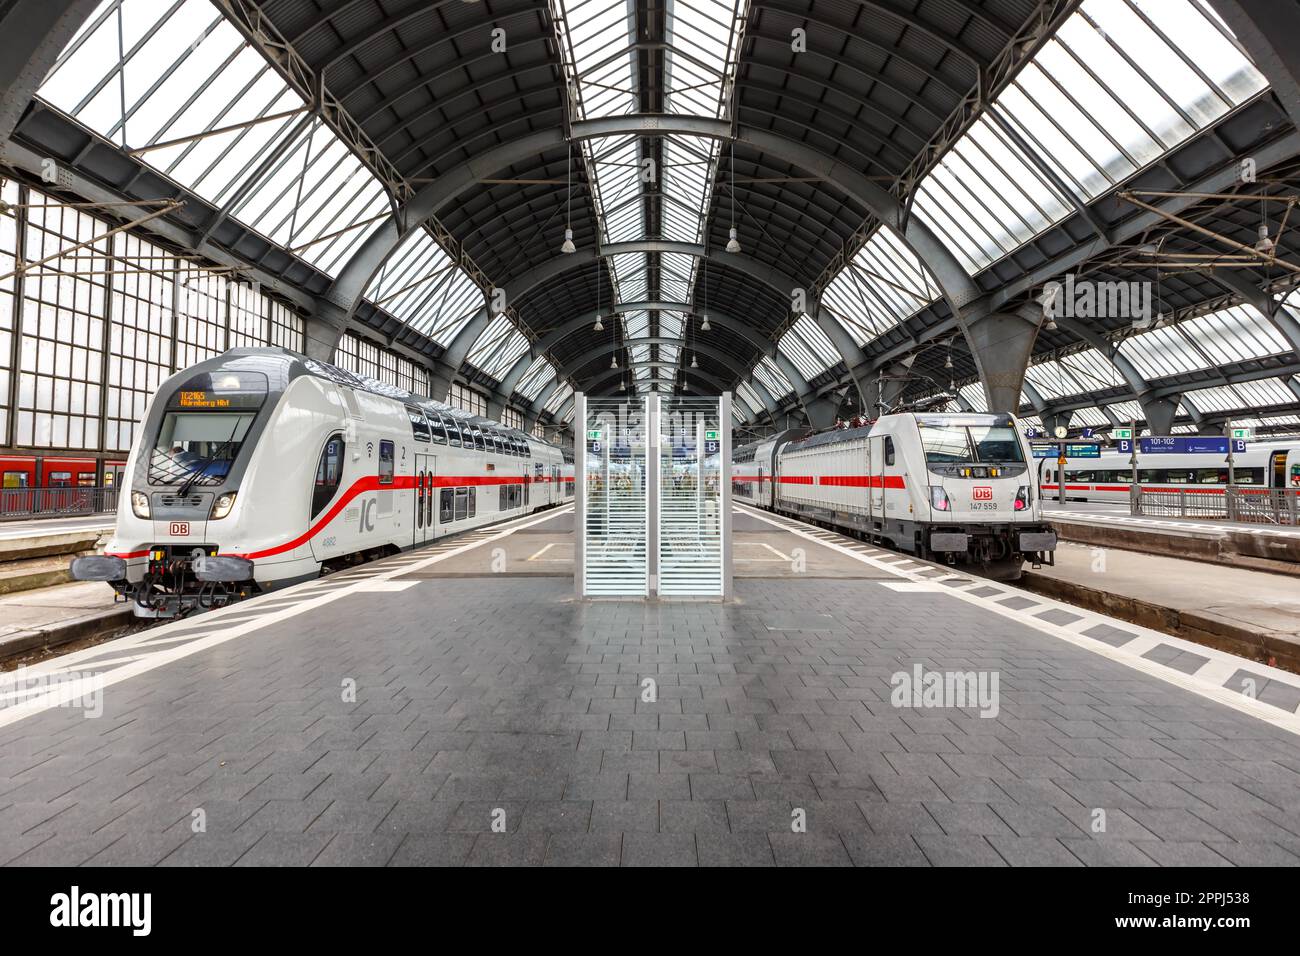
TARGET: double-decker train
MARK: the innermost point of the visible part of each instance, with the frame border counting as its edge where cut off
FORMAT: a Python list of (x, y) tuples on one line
[(958, 488), (1263, 465), (261, 467)]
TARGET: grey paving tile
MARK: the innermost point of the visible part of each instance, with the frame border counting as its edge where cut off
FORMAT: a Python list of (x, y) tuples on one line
[(584, 849), (659, 849)]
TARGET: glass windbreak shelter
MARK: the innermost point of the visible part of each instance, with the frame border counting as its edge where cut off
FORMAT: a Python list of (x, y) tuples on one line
[(653, 497)]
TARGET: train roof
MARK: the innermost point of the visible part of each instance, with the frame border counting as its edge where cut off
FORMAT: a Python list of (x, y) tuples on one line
[(294, 364), (835, 435)]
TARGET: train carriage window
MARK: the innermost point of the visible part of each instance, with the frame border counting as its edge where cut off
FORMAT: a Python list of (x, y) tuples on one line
[(528, 449), (86, 479), (419, 427), (453, 432), (16, 479), (386, 460), (889, 450), (477, 435), (502, 505), (462, 503), (437, 429), (329, 473), (447, 506), (473, 498), (59, 479)]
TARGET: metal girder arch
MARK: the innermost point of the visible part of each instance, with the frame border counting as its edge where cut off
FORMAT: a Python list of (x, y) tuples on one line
[(1293, 383), (553, 338), (1268, 30), (1272, 310), (720, 319), (35, 33), (568, 371), (705, 377), (954, 281), (783, 285)]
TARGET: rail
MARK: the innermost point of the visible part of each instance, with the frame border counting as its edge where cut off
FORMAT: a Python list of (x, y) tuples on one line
[(1266, 506), (59, 502)]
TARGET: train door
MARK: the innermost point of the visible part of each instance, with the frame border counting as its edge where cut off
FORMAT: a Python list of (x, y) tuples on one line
[(425, 493), (1277, 477), (876, 481)]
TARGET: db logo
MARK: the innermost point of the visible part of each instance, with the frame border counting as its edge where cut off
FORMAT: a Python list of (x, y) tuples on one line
[(179, 528), (981, 493)]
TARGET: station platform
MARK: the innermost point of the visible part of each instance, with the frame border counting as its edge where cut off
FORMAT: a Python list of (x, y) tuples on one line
[(1265, 547), (404, 712), (1255, 614)]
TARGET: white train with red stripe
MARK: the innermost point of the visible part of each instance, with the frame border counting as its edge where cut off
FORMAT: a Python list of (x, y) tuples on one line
[(1266, 465), (261, 468), (952, 487)]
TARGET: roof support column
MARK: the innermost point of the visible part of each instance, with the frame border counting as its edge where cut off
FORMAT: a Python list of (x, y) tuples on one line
[(34, 36), (323, 330), (1267, 29), (1160, 414), (1003, 343)]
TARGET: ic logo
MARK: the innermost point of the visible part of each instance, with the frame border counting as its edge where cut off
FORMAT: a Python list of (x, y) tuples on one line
[(981, 493), (179, 529), (368, 515)]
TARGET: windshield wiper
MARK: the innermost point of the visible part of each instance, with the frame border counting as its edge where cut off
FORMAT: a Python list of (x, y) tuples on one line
[(197, 472)]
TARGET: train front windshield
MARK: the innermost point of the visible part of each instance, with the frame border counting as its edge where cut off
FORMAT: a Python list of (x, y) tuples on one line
[(197, 446), (969, 444)]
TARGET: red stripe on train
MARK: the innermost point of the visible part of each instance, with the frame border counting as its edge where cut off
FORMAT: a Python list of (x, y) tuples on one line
[(360, 486)]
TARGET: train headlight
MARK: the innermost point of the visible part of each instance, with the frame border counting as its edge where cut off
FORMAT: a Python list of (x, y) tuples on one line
[(939, 499), (140, 504), (1022, 498), (221, 507)]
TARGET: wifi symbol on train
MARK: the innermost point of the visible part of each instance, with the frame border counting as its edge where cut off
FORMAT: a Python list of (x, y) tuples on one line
[(370, 449)]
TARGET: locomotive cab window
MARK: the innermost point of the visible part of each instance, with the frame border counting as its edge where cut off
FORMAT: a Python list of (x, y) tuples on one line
[(386, 460), (329, 473)]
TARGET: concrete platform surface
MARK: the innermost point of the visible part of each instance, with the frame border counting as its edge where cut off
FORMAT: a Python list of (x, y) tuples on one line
[(382, 716), (1235, 608)]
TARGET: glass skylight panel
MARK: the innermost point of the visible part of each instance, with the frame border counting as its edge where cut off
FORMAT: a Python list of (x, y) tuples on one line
[(746, 392), (884, 284), (670, 325), (558, 397), (1091, 417), (1053, 380), (1127, 411), (1084, 108), (1028, 421), (702, 35), (1092, 370), (630, 274), (687, 183), (617, 173), (186, 72), (422, 286), (600, 37), (974, 396), (675, 276), (636, 324), (318, 200), (498, 347), (773, 379), (807, 346), (1235, 334), (537, 375), (1265, 391)]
